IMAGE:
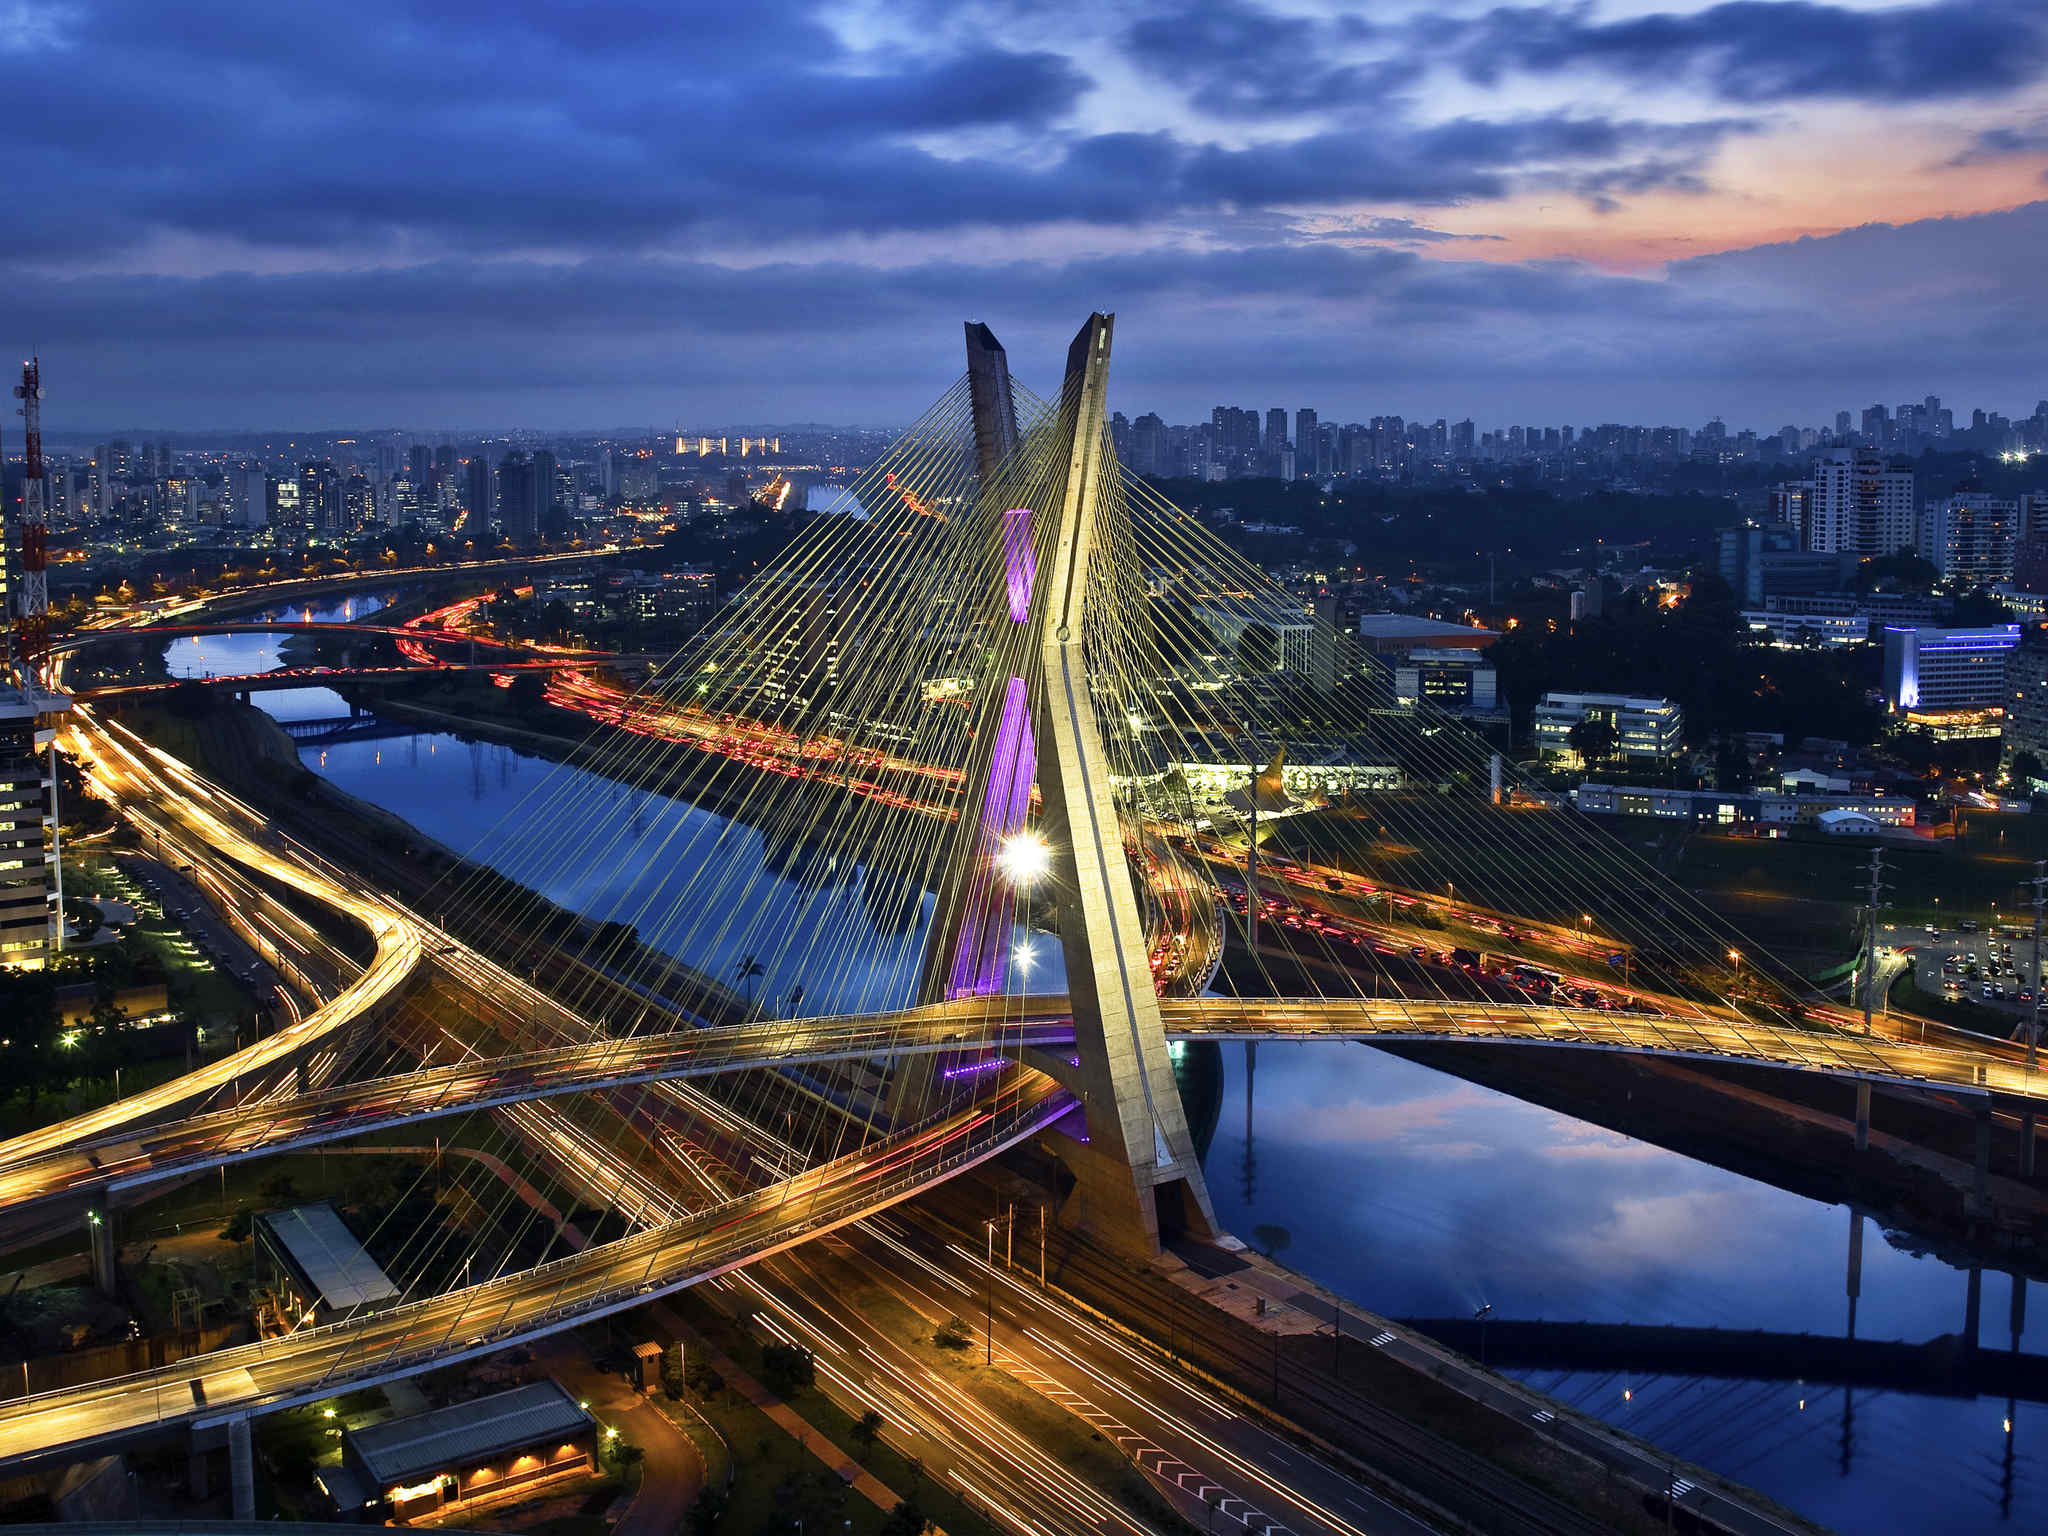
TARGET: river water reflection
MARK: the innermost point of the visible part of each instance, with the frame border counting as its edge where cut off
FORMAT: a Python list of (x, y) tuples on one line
[(1422, 1195), (1410, 1190), (232, 655)]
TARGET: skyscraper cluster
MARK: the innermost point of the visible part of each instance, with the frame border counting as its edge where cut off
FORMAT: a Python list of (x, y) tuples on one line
[(1238, 441)]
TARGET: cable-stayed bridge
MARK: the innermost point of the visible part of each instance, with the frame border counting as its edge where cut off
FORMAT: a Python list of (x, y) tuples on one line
[(922, 813)]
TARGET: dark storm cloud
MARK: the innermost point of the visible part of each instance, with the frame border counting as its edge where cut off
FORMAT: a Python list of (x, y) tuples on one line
[(1760, 51), (380, 125), (1240, 60), (1354, 328)]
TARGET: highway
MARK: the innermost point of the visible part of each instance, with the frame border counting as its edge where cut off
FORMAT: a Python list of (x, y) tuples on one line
[(316, 1362), (137, 775), (31, 1168)]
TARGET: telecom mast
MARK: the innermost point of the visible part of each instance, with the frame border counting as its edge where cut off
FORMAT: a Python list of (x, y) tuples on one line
[(31, 716), (32, 602)]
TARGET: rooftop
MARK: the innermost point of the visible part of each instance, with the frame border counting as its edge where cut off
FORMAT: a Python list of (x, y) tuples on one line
[(402, 1450), (328, 1254), (1393, 631)]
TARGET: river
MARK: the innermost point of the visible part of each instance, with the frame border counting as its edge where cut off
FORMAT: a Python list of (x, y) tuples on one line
[(1412, 1191), (233, 655)]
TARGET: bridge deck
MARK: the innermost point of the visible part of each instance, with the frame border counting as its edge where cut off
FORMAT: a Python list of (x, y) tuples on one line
[(1006, 1025), (314, 1363)]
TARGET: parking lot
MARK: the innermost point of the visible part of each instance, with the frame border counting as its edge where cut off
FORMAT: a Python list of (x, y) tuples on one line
[(1995, 968)]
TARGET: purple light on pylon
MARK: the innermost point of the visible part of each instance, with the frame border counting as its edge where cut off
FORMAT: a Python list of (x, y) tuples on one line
[(978, 954), (1020, 565), (1015, 765), (978, 959)]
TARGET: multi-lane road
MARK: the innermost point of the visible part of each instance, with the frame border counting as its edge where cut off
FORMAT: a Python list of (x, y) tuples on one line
[(315, 1362)]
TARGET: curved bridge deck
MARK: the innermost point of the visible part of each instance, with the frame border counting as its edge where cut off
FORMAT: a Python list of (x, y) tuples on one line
[(314, 1363), (996, 1025)]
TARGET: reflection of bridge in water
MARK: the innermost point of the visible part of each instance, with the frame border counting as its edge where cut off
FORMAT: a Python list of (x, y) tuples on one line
[(339, 728)]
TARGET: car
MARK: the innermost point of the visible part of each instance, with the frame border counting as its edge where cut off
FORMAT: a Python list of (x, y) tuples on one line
[(1998, 990), (1985, 991), (2024, 995)]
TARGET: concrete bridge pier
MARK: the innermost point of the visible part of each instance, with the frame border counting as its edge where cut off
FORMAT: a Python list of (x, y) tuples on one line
[(241, 1468), (1973, 1310), (1863, 1117), (304, 1075), (103, 1244), (2028, 1134)]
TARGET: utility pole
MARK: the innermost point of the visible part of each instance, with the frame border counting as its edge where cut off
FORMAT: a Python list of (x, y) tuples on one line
[(1870, 936)]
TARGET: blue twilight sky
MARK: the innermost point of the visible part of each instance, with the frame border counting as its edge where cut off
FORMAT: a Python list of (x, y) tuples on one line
[(240, 212)]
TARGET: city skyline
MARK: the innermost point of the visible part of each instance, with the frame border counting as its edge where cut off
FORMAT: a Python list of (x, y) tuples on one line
[(1551, 206)]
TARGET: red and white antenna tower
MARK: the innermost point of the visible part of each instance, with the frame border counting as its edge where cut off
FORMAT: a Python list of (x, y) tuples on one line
[(32, 603)]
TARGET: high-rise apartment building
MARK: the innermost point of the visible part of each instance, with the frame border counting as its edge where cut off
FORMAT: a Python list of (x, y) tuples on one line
[(550, 514), (477, 500), (1307, 443), (28, 894), (1970, 537), (1148, 445), (420, 471), (321, 507), (518, 517), (1861, 506)]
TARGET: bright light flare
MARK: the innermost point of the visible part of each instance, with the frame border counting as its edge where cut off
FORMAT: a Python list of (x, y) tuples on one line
[(1024, 858)]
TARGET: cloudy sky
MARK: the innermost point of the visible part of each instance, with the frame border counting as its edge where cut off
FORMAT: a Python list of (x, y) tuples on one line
[(546, 213)]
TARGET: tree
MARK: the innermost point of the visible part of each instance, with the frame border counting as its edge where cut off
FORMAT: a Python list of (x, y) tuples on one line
[(953, 1333), (787, 1368), (906, 1519), (2026, 767), (1270, 1238), (1593, 739), (867, 1429), (239, 1226)]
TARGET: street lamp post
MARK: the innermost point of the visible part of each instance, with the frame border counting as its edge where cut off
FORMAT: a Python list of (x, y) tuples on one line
[(988, 1331)]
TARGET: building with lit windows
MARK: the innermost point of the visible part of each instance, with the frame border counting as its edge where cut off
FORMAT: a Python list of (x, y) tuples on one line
[(28, 874), (1861, 506), (1458, 682), (503, 1446), (1970, 537), (2026, 706), (1931, 670), (1764, 810), (1647, 730)]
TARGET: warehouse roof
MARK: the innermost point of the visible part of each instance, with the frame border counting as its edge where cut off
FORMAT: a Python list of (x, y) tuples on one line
[(328, 1257), (403, 1450), (1404, 631)]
